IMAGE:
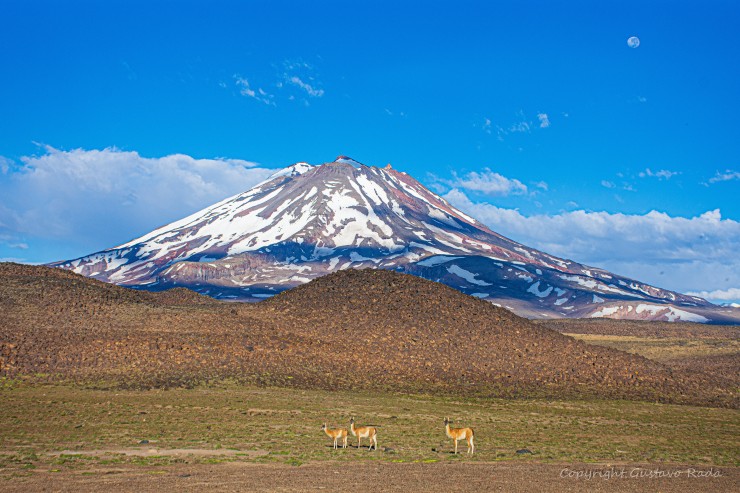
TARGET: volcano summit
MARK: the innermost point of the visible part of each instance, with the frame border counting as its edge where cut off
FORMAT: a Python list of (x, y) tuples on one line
[(306, 221)]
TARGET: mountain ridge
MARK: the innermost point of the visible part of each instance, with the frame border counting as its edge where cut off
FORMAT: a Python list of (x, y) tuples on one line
[(306, 221)]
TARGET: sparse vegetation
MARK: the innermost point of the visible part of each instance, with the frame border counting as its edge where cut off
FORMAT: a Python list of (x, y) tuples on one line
[(419, 336), (73, 428), (664, 349)]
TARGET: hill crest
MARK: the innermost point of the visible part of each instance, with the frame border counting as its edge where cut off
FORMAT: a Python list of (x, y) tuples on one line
[(364, 329)]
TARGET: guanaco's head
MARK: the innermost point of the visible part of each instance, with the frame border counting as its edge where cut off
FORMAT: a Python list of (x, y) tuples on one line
[(323, 427), (352, 420), (447, 421)]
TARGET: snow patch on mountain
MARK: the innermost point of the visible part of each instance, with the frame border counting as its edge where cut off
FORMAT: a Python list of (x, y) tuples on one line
[(671, 314), (347, 160), (649, 311), (605, 312), (534, 289), (467, 275), (436, 260), (292, 170)]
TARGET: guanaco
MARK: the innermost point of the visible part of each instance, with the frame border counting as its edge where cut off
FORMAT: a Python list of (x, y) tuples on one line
[(364, 432), (336, 434), (460, 434)]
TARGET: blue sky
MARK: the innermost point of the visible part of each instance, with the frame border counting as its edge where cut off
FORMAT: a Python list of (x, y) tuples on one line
[(117, 117)]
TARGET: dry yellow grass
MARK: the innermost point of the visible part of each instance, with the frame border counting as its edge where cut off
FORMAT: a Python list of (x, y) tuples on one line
[(663, 349)]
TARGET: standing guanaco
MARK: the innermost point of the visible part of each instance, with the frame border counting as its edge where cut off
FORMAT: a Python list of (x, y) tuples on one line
[(364, 432), (460, 434), (336, 434)]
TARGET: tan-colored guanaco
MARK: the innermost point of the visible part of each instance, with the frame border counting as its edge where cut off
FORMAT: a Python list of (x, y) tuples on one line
[(460, 434), (364, 432), (336, 434)]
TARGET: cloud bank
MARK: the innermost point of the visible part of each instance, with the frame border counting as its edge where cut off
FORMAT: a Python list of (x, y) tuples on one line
[(101, 198), (719, 294), (695, 254)]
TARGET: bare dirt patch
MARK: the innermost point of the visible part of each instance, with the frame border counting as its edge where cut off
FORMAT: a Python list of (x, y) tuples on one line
[(160, 452), (510, 477)]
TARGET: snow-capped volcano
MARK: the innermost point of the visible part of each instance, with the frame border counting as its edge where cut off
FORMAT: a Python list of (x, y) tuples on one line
[(306, 221)]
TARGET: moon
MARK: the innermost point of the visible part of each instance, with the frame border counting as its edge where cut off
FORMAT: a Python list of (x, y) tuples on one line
[(633, 42)]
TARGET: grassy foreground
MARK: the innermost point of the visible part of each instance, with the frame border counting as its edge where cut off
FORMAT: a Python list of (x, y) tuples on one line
[(665, 349), (233, 423)]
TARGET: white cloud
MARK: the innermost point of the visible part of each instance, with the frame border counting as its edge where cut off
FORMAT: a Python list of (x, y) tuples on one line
[(401, 114), (297, 65), (11, 241), (487, 125), (730, 294), (684, 254), (611, 185), (17, 260), (310, 90), (100, 198), (544, 120), (542, 185), (662, 174), (523, 124), (303, 76), (5, 165), (488, 182), (245, 90), (244, 85), (521, 127), (295, 80), (727, 175)]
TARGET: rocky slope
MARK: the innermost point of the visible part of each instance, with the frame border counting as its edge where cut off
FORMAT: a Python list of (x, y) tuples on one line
[(356, 329)]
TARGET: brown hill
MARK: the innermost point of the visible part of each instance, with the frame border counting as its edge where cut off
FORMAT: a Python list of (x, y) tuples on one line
[(363, 329)]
